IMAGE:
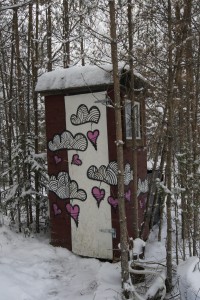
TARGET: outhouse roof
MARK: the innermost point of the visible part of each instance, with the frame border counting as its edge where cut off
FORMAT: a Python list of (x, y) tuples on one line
[(78, 77)]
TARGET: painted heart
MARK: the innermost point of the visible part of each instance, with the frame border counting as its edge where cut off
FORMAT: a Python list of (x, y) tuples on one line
[(57, 159), (98, 194), (76, 160), (56, 209), (141, 204), (73, 211), (92, 137), (113, 202), (128, 195)]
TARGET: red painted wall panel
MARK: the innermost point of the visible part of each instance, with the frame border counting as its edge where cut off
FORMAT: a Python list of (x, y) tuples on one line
[(57, 162)]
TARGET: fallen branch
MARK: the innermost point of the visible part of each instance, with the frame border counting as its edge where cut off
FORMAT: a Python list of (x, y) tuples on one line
[(158, 286)]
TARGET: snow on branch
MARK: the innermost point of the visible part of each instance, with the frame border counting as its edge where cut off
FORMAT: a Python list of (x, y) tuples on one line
[(15, 6), (157, 286)]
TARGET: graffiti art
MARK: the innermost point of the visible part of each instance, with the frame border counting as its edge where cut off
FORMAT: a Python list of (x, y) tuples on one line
[(113, 202), (76, 160), (92, 137), (142, 186), (107, 174), (57, 159), (67, 141), (65, 188), (73, 211), (85, 115), (57, 211), (128, 195), (128, 174), (142, 203), (98, 194)]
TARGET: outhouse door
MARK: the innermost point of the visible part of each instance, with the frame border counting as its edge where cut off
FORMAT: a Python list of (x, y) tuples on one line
[(91, 226)]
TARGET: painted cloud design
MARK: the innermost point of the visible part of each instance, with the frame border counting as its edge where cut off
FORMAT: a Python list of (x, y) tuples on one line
[(65, 188), (67, 141), (109, 174), (142, 186), (128, 174), (85, 115), (104, 174)]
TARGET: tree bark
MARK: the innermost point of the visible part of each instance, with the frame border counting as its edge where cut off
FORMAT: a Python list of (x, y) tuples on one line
[(133, 120), (49, 36), (35, 59), (169, 151), (119, 143), (22, 113), (66, 42)]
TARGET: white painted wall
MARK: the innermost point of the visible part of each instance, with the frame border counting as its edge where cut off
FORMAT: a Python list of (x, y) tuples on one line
[(90, 237)]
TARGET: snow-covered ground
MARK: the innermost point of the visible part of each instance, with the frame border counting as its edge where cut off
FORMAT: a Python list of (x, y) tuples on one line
[(31, 269), (189, 274)]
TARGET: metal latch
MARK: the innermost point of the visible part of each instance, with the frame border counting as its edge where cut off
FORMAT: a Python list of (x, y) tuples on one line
[(112, 231)]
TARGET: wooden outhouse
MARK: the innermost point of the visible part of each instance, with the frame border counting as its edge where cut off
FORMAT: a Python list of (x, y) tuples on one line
[(81, 153)]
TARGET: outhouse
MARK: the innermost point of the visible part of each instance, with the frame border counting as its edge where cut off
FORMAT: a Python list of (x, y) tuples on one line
[(82, 159)]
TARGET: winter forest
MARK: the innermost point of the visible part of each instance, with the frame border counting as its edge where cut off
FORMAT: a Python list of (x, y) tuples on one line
[(158, 39)]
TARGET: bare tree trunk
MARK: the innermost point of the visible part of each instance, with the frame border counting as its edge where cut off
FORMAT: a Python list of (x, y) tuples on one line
[(193, 118), (21, 120), (196, 152), (81, 32), (49, 36), (35, 105), (151, 208), (120, 160), (66, 43), (162, 204), (7, 88), (10, 119), (176, 221), (181, 127), (30, 30), (189, 155), (169, 152), (133, 119)]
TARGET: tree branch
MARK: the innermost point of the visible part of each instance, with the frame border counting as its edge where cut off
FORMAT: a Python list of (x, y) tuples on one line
[(15, 6)]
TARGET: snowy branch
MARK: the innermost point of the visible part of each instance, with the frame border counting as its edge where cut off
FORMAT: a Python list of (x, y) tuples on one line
[(15, 6)]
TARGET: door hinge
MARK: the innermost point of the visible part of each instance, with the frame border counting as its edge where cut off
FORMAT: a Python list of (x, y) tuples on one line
[(112, 231)]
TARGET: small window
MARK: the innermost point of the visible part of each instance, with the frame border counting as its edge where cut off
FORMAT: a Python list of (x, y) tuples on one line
[(128, 123)]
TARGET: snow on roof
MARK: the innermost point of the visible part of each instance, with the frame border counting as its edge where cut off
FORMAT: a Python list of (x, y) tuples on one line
[(77, 77)]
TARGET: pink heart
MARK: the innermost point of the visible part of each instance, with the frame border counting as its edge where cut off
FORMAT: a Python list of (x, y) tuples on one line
[(73, 211), (142, 203), (56, 209), (128, 195), (113, 202), (57, 159), (76, 160), (98, 194), (92, 137)]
